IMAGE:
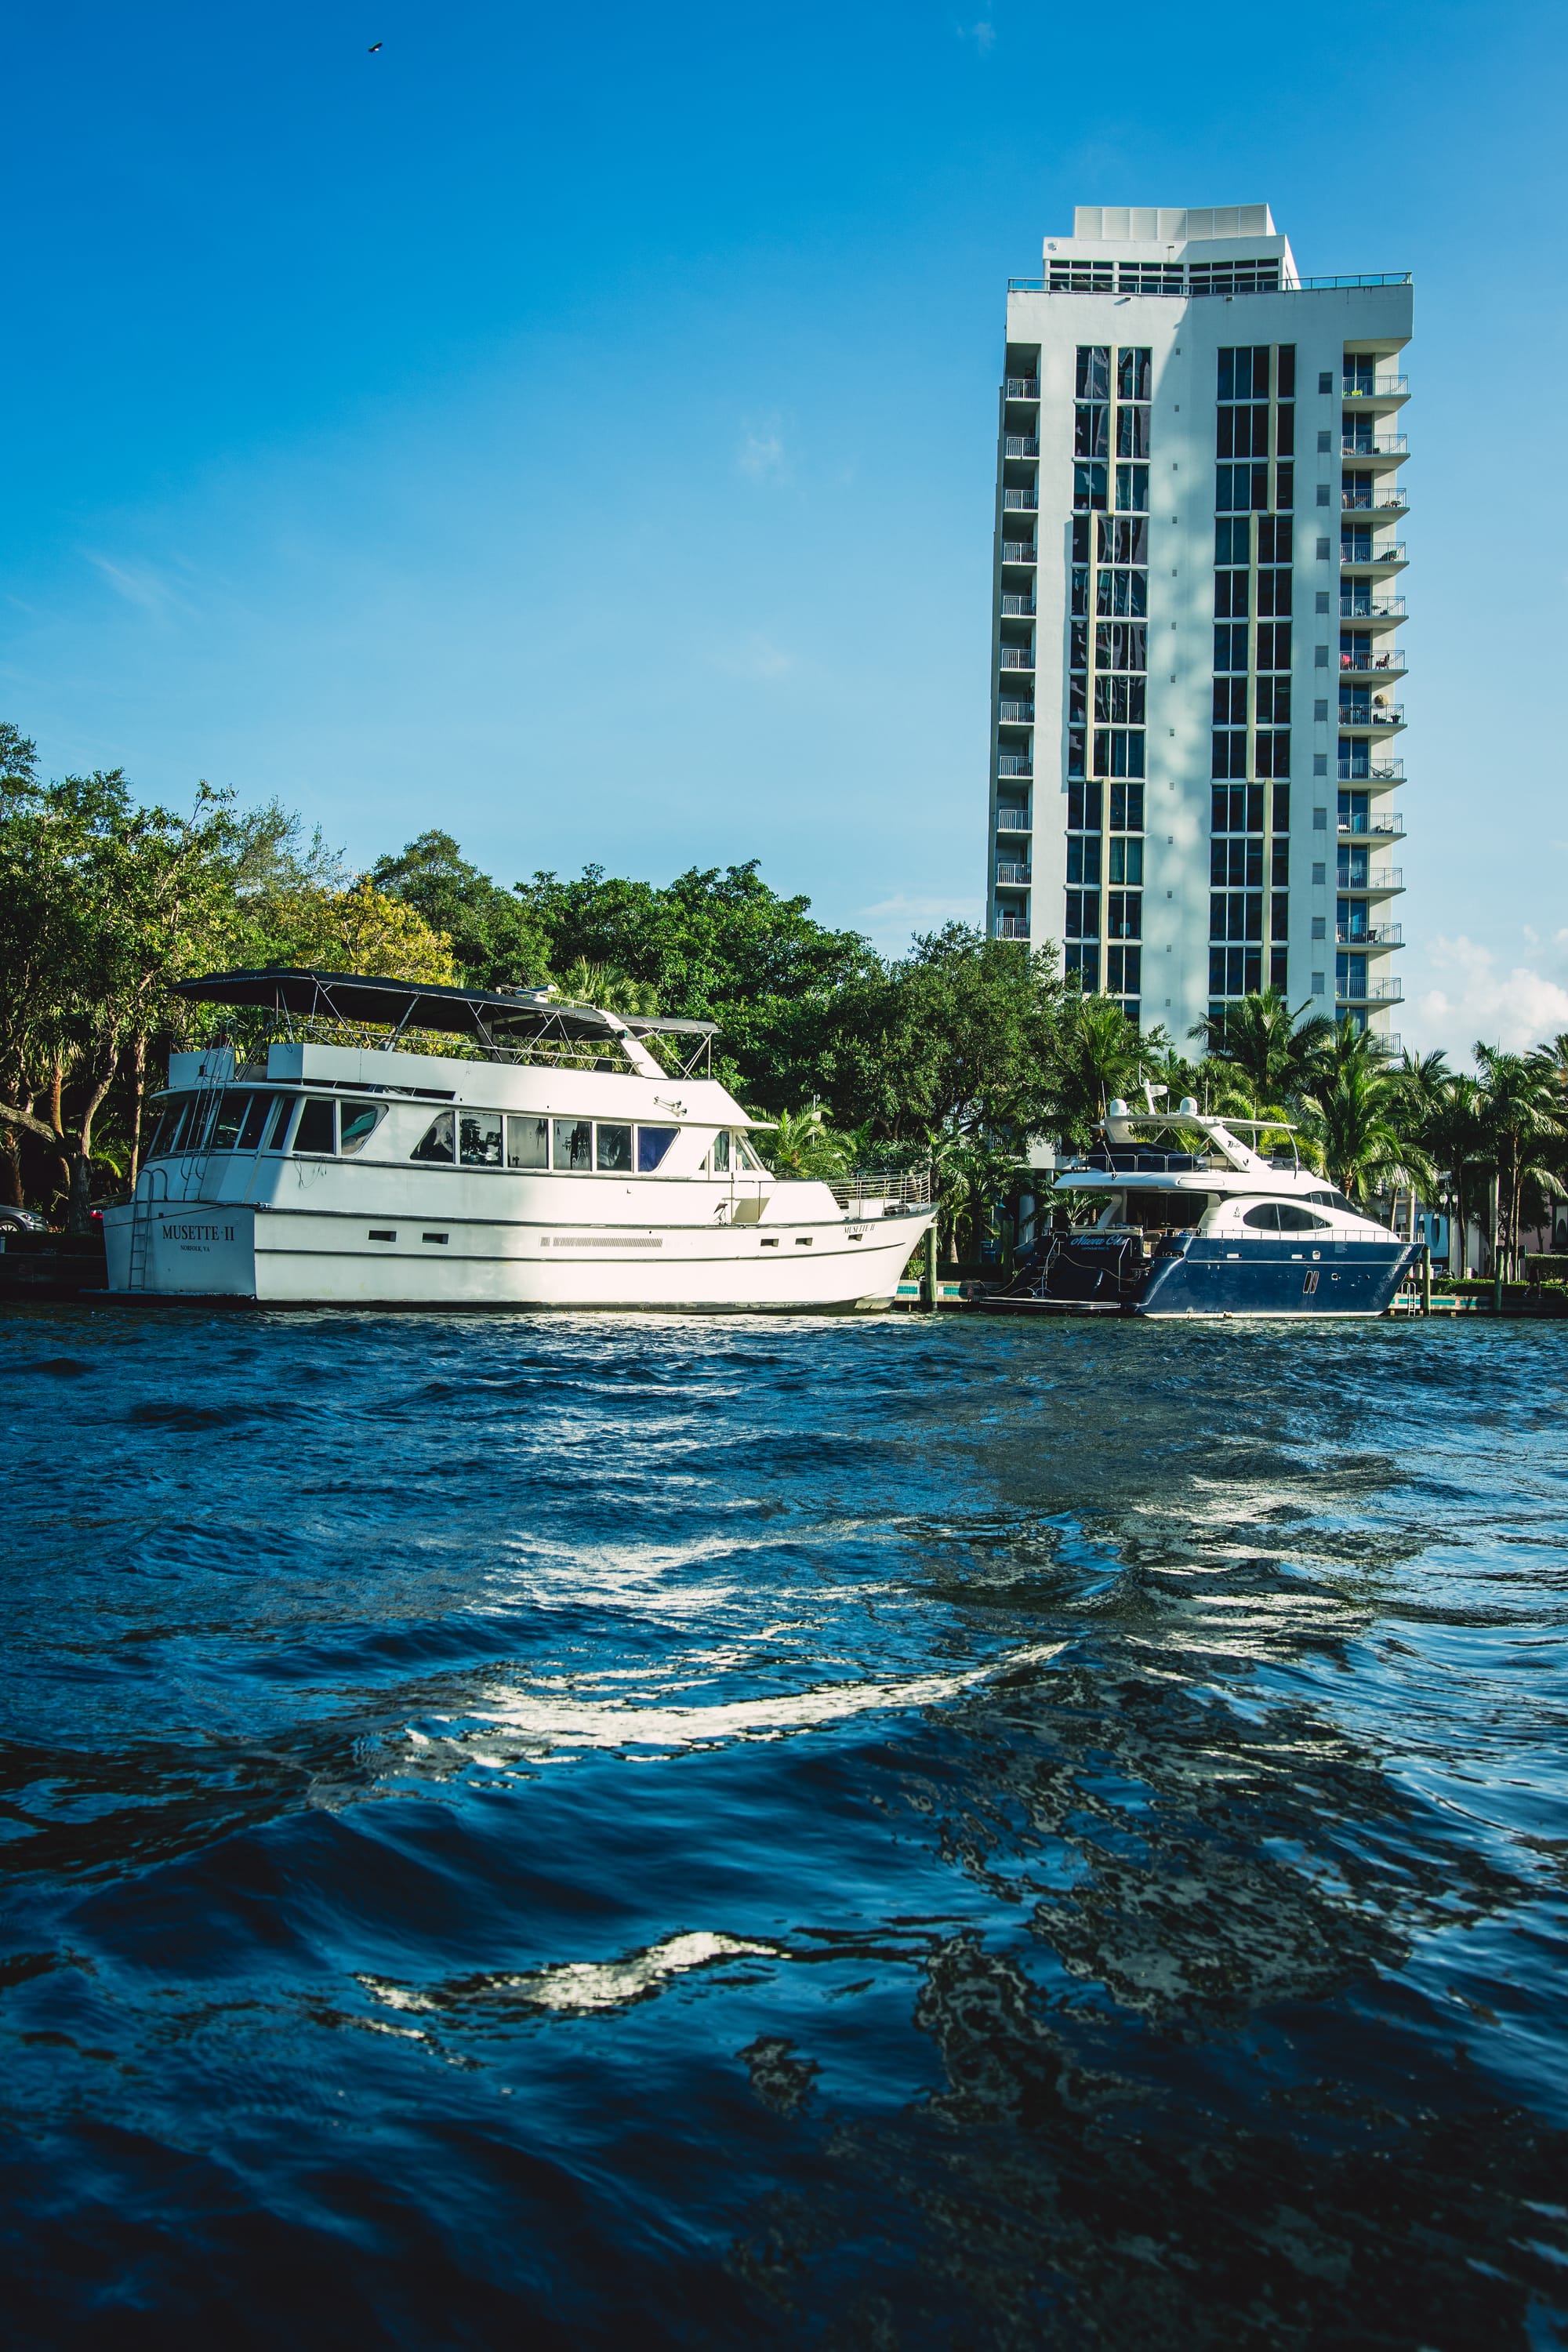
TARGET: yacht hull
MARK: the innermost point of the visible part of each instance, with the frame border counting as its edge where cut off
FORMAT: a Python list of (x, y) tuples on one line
[(289, 1257), (1223, 1276)]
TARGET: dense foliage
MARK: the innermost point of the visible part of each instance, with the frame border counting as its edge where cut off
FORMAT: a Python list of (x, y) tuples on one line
[(958, 1055)]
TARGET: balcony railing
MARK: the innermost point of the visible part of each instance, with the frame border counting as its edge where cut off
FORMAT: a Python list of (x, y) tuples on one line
[(1377, 500), (1014, 764), (1387, 714), (1371, 771), (1375, 886), (1021, 501), (1019, 608), (1377, 387), (1017, 657), (1018, 551), (1020, 445), (1356, 607), (1387, 551), (1022, 387), (1012, 820), (1374, 445), (1371, 935), (1376, 992), (1019, 713), (1373, 828), (1390, 665), (1017, 874), (1011, 927)]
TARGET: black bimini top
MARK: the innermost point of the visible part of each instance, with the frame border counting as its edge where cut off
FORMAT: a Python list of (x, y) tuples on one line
[(494, 1017)]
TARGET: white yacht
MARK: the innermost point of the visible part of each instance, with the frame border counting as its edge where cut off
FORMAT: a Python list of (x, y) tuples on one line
[(550, 1161), (1175, 1213)]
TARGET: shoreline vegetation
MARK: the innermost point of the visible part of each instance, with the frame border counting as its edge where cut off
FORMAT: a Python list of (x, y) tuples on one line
[(956, 1054)]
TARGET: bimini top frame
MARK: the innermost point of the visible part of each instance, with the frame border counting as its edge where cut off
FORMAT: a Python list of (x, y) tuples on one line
[(507, 1025)]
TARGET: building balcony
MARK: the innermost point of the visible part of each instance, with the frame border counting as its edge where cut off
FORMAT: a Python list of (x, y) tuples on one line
[(1012, 820), (1017, 657), (1020, 445), (1370, 771), (1371, 935), (1372, 665), (1389, 391), (1376, 992), (1385, 556), (1385, 448), (1388, 882), (1018, 608), (1359, 603), (1374, 498), (1021, 501), (1371, 718), (1014, 713), (1022, 387), (1014, 764), (1018, 551), (1016, 875), (1011, 927), (1374, 828)]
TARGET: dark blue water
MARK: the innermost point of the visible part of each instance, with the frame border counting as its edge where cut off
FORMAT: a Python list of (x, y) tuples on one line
[(587, 1832)]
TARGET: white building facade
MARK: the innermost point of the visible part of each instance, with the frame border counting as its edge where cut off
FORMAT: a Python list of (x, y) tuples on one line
[(1196, 703)]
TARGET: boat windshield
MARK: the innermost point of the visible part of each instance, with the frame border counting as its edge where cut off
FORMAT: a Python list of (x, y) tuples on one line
[(1159, 1212)]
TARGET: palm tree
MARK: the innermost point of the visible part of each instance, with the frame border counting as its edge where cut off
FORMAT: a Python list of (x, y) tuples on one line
[(1098, 1055), (1522, 1116), (1351, 1121), (1270, 1046), (583, 982), (800, 1144), (1449, 1128)]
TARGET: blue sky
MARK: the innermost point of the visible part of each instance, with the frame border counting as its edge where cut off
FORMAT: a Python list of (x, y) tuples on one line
[(576, 428)]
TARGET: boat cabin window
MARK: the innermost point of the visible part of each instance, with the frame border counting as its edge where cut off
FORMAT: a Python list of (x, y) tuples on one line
[(230, 1119), (435, 1143), (718, 1158), (574, 1144), (480, 1137), (357, 1123), (528, 1143), (1328, 1199), (317, 1130), (615, 1150), (1284, 1217), (748, 1158), (278, 1133), (653, 1142), (168, 1127), (250, 1134), (1161, 1213)]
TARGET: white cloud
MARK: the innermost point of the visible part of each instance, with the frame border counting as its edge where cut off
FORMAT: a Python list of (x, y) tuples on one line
[(762, 453), (755, 657), (983, 34), (141, 586), (1476, 999), (892, 922)]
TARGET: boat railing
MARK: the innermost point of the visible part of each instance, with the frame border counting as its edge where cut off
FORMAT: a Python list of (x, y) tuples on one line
[(1142, 1162), (912, 1189)]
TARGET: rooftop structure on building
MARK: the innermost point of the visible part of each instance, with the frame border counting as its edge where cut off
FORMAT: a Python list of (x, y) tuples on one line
[(1196, 613)]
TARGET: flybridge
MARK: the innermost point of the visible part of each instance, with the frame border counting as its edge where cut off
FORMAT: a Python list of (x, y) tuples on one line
[(511, 1026)]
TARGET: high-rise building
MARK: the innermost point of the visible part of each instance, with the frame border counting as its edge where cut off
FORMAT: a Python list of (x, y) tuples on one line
[(1196, 670)]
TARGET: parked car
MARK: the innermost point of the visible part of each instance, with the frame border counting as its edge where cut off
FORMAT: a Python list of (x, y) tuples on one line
[(21, 1220)]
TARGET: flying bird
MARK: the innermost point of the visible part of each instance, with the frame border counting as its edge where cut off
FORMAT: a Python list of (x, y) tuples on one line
[(372, 48)]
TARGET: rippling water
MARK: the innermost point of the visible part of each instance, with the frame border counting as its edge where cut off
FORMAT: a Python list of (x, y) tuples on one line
[(582, 1831)]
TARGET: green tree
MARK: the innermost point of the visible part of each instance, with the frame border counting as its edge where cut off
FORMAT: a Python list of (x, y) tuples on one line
[(102, 903), (496, 940), (800, 1144), (1350, 1122), (955, 1039)]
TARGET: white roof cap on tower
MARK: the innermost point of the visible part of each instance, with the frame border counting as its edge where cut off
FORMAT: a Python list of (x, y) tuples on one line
[(1169, 224)]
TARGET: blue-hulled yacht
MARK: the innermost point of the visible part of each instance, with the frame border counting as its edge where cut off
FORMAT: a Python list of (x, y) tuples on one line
[(1175, 1213)]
